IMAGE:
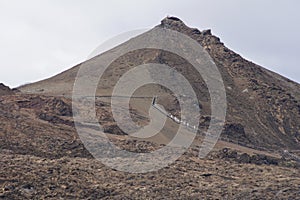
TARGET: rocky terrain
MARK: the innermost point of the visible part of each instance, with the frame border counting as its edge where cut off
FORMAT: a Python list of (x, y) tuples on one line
[(31, 177), (4, 90), (42, 156)]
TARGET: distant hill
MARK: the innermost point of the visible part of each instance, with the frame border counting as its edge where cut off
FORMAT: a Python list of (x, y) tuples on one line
[(263, 107)]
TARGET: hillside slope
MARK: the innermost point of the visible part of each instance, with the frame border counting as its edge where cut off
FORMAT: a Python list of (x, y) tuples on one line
[(263, 107)]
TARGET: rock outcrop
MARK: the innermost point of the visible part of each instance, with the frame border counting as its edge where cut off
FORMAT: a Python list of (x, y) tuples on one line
[(5, 90)]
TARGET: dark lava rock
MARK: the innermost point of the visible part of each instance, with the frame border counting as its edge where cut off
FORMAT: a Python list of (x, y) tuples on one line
[(263, 159), (113, 129), (227, 153), (207, 32), (61, 107), (4, 90), (174, 18), (257, 159), (55, 105), (235, 131), (245, 158), (54, 119)]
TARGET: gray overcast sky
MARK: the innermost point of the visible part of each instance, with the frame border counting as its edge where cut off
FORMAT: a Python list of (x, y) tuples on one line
[(40, 38)]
